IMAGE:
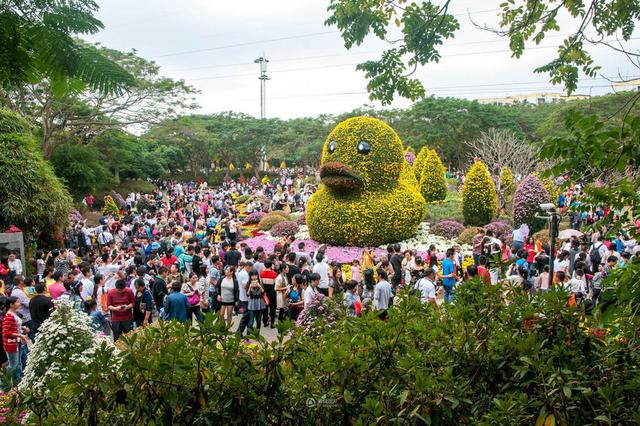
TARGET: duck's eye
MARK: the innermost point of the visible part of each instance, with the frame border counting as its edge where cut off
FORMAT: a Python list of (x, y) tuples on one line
[(364, 147), (331, 147)]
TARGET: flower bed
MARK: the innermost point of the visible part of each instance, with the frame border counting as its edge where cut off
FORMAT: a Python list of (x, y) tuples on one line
[(254, 218), (285, 228), (447, 228)]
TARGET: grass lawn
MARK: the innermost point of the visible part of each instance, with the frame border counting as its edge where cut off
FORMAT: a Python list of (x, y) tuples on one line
[(450, 208)]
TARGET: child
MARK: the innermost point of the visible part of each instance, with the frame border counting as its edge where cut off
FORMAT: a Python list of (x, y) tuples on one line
[(355, 273), (98, 320)]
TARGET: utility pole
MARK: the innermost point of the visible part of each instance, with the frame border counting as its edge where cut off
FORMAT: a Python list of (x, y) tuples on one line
[(262, 60), (263, 82)]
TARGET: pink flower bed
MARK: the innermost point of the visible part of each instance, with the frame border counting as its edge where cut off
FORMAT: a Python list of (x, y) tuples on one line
[(334, 253)]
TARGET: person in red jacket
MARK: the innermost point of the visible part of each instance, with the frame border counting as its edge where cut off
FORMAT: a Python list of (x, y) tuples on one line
[(14, 336), (120, 301)]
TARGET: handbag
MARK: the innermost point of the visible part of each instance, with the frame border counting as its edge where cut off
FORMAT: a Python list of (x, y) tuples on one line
[(194, 299), (265, 299)]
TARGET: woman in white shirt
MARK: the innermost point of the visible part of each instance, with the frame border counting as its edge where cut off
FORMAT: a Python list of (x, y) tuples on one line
[(15, 265)]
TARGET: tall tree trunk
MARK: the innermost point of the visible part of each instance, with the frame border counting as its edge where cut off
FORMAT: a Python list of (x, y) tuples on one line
[(116, 175)]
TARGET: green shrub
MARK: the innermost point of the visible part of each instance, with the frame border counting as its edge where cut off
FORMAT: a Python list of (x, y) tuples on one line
[(32, 197), (281, 213), (267, 222), (479, 197), (433, 184), (479, 361), (466, 237), (507, 184)]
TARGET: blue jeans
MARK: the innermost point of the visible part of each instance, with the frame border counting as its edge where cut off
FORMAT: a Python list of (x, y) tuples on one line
[(255, 316), (15, 364), (449, 294)]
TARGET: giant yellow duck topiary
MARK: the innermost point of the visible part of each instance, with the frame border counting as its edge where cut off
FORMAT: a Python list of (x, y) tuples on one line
[(369, 195)]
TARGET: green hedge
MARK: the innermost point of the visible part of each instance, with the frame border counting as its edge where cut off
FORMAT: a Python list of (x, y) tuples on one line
[(477, 362)]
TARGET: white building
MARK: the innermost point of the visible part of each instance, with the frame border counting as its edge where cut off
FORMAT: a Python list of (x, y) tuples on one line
[(532, 99)]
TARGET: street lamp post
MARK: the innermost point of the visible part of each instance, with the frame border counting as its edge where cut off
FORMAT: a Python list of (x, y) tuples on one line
[(554, 223)]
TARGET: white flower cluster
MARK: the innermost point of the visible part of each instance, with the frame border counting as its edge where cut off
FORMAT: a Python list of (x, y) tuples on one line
[(420, 242), (65, 338), (423, 239)]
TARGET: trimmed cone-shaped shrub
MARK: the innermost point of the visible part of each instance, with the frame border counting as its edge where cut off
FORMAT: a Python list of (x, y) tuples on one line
[(433, 184), (365, 199), (466, 236), (419, 162), (526, 203), (447, 228), (507, 185), (267, 222), (479, 197), (110, 207), (550, 186)]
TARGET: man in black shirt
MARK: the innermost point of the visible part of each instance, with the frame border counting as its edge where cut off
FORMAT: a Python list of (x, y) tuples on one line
[(293, 269), (40, 307), (233, 256), (159, 288), (396, 263)]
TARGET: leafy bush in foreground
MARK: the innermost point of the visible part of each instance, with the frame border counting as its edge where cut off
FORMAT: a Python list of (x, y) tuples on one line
[(480, 361)]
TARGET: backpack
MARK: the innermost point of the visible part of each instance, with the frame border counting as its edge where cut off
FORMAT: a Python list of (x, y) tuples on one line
[(595, 257)]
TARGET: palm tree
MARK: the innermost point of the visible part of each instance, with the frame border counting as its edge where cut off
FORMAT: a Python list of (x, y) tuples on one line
[(37, 39)]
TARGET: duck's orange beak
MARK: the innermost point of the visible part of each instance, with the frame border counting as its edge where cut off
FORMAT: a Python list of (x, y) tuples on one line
[(339, 176)]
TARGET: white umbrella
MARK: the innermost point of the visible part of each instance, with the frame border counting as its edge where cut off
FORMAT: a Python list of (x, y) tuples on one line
[(568, 233)]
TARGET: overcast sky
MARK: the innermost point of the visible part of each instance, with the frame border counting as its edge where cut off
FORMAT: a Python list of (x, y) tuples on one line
[(212, 45)]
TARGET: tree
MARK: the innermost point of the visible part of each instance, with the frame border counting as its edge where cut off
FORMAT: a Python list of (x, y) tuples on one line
[(433, 184), (526, 203), (424, 26), (31, 196), (500, 148), (479, 198), (506, 186), (38, 44), (81, 167), (197, 145), (80, 115)]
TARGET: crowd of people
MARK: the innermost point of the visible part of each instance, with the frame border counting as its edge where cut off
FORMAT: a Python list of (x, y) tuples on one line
[(177, 253)]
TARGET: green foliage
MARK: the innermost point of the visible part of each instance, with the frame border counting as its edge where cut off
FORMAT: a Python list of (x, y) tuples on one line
[(479, 197), (81, 167), (38, 43), (425, 25), (31, 196), (365, 200), (480, 361), (433, 184)]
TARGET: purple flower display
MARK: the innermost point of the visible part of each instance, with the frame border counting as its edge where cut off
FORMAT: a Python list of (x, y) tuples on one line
[(254, 218), (118, 199), (501, 230), (75, 216), (319, 314), (284, 228), (526, 203), (447, 228), (338, 254), (409, 157), (302, 219)]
